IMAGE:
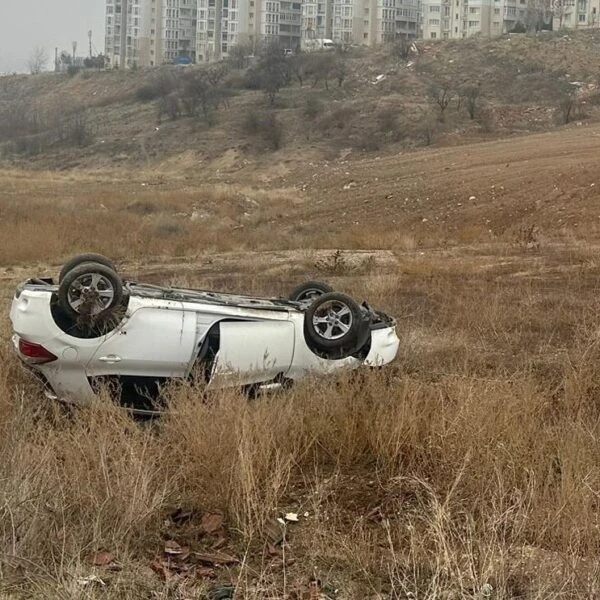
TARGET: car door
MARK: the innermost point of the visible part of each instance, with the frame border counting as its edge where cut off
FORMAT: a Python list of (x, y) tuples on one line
[(153, 342), (253, 352)]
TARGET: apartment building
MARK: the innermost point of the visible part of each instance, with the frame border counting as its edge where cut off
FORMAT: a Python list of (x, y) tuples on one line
[(221, 25), (443, 19), (576, 14), (123, 26), (408, 19), (151, 37), (372, 22), (317, 19)]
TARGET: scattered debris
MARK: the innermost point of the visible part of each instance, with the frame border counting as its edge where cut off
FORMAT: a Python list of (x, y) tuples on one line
[(173, 548), (291, 517), (90, 579)]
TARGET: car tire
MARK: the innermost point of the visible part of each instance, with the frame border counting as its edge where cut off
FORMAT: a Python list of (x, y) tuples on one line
[(310, 290), (85, 258), (335, 326), (91, 291)]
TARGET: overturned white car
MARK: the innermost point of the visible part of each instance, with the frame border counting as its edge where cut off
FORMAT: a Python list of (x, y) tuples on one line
[(93, 329)]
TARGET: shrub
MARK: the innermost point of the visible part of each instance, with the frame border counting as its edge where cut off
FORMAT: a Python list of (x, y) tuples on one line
[(72, 70), (266, 126), (312, 108), (146, 93)]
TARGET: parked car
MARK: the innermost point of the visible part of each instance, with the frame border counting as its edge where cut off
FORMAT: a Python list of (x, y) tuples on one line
[(92, 329)]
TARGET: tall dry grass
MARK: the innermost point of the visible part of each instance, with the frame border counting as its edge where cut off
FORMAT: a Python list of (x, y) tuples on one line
[(469, 469)]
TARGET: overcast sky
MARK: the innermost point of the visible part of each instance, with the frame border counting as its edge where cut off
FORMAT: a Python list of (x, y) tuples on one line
[(25, 24)]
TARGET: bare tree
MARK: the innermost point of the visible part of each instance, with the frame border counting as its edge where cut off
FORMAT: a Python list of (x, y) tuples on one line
[(538, 14), (339, 70), (441, 93), (566, 108), (471, 95), (560, 8), (38, 60), (401, 48)]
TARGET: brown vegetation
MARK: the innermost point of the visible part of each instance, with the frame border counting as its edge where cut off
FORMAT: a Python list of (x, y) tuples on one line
[(469, 468), (476, 88)]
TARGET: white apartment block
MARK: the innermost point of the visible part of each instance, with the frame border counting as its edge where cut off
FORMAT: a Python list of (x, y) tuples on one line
[(151, 39), (372, 22), (443, 19), (317, 19), (123, 26), (155, 32), (408, 18), (576, 14), (221, 25)]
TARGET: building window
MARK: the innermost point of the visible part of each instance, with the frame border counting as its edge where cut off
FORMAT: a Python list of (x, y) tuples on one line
[(433, 35)]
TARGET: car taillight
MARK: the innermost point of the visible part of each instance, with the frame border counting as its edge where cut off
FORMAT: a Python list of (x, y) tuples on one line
[(35, 353)]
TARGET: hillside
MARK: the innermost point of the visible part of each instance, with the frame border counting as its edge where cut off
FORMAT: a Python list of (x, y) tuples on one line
[(360, 101)]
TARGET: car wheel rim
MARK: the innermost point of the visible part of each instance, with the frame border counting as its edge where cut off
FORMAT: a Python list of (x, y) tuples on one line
[(333, 320), (90, 294)]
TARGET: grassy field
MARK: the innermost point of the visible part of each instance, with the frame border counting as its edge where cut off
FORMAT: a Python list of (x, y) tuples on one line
[(468, 469)]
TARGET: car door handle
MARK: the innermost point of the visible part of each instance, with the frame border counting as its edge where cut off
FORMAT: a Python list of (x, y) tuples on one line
[(111, 359)]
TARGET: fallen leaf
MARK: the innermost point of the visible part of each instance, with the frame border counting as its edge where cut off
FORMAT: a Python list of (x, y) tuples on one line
[(217, 558), (173, 548), (274, 533), (212, 522), (206, 573), (160, 569), (102, 559), (273, 550)]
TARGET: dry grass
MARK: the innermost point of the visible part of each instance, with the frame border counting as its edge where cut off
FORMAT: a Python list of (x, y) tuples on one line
[(468, 469), (473, 462)]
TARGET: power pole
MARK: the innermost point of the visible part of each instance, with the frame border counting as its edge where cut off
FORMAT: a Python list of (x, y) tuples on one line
[(90, 38), (74, 51)]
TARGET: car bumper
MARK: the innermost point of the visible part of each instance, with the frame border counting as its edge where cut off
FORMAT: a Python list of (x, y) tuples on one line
[(67, 383), (384, 347)]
